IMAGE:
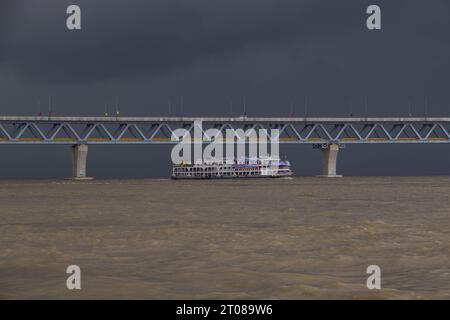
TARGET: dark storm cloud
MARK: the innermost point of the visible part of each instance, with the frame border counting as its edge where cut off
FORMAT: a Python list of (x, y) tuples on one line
[(129, 38), (6, 12), (126, 39), (5, 7), (243, 46)]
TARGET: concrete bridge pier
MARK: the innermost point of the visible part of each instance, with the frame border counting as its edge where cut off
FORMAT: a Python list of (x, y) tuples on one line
[(329, 160), (79, 159)]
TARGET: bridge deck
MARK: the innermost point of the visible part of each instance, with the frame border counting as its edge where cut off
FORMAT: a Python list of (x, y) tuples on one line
[(229, 119)]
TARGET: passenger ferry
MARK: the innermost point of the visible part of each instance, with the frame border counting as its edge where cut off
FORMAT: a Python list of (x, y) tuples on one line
[(246, 168)]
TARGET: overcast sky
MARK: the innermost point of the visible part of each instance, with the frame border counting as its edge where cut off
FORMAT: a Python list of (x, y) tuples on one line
[(273, 52)]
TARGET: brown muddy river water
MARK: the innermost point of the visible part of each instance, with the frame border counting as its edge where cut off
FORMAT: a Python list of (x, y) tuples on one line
[(303, 238)]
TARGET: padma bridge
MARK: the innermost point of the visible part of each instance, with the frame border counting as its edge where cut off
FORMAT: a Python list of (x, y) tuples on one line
[(328, 134)]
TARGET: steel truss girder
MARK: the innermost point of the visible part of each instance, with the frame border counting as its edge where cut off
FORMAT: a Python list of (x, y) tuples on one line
[(315, 131)]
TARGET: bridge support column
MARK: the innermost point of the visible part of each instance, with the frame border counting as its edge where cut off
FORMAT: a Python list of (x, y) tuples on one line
[(329, 160), (79, 159)]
